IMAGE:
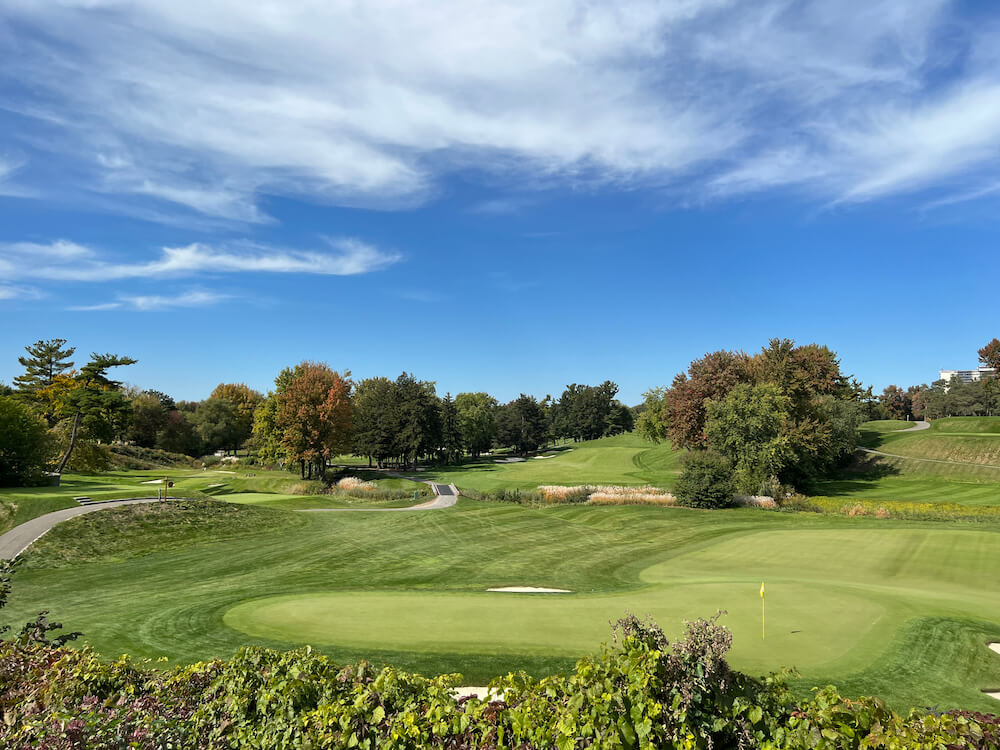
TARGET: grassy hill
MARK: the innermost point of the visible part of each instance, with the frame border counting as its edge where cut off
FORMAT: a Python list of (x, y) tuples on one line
[(955, 460)]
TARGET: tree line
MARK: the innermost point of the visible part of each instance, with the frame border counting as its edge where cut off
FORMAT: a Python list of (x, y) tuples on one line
[(56, 416)]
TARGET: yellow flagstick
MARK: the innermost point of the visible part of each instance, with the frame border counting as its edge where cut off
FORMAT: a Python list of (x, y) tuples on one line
[(763, 618)]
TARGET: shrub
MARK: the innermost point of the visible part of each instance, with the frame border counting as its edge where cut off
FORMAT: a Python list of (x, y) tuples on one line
[(705, 482)]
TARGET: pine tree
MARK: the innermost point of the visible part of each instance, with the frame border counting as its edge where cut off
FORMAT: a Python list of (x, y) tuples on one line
[(46, 359)]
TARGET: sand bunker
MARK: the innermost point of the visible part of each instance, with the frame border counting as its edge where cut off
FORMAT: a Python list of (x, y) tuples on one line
[(472, 691), (529, 590), (508, 460), (996, 693)]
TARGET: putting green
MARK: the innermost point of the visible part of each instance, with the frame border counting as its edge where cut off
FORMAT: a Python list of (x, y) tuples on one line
[(834, 598)]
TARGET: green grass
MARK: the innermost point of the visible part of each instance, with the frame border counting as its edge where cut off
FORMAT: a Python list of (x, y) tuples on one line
[(408, 588), (624, 459), (955, 461)]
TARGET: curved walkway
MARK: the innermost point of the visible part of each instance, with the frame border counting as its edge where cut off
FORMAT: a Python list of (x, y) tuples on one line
[(918, 426), (18, 539)]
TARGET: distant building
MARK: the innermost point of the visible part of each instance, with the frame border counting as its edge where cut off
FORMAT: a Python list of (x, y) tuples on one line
[(968, 376)]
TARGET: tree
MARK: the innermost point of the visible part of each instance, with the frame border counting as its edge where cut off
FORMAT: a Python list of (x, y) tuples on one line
[(451, 433), (26, 446), (218, 424), (705, 481), (747, 427), (314, 416), (989, 356), (521, 424), (418, 420), (148, 417), (619, 419), (895, 403), (582, 411), (375, 420), (477, 421), (266, 435), (246, 400), (96, 402), (45, 360), (710, 377), (179, 435)]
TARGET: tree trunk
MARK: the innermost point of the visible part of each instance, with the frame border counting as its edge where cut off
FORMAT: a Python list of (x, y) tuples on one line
[(302, 468), (72, 443)]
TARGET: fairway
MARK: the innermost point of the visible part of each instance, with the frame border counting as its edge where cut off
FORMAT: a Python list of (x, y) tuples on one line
[(625, 459)]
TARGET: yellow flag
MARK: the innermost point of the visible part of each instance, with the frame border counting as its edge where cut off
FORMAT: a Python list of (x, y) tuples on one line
[(761, 589)]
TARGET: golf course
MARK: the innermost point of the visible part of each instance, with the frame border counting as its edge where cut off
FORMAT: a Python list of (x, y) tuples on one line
[(900, 608)]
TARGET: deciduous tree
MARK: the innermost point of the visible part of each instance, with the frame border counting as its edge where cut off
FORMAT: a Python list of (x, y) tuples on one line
[(26, 446), (314, 415)]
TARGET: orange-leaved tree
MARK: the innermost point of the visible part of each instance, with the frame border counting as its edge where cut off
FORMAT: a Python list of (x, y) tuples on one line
[(314, 416)]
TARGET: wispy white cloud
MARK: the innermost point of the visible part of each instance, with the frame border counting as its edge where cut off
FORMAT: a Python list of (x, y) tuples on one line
[(205, 107), (9, 292), (68, 261), (155, 302)]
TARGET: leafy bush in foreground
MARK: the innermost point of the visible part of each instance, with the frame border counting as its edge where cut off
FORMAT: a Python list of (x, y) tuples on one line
[(641, 692)]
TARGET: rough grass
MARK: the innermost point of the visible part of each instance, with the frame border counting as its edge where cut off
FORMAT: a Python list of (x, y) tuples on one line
[(128, 531)]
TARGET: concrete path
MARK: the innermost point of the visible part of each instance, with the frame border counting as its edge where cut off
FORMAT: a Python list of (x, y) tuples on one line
[(18, 539), (917, 427), (445, 496)]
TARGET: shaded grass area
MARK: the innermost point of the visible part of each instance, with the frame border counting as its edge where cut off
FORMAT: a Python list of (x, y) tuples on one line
[(839, 588)]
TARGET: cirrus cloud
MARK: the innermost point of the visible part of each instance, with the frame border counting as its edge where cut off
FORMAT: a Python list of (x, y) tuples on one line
[(69, 261)]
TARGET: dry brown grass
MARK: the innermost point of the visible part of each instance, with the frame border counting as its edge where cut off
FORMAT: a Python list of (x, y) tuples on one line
[(356, 483), (606, 495)]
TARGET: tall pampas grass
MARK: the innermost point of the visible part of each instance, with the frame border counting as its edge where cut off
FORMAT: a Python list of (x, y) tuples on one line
[(605, 495)]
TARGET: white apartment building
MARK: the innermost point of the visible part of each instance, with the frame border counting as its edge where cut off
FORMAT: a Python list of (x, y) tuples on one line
[(968, 376)]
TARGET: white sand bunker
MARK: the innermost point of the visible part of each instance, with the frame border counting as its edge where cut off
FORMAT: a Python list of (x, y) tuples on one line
[(996, 648), (529, 590), (474, 691), (514, 460)]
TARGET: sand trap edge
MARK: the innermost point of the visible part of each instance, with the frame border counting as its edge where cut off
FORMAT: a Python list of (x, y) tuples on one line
[(529, 590)]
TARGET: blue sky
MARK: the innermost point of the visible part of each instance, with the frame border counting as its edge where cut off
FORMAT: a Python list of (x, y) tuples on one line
[(501, 196)]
